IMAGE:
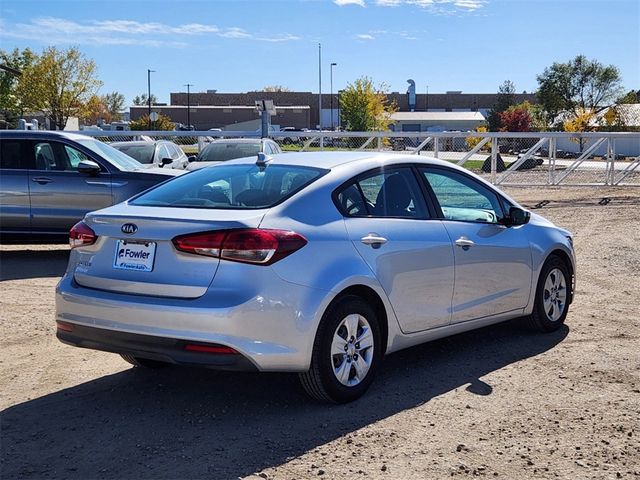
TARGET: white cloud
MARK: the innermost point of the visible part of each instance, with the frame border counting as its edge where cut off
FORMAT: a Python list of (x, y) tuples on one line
[(342, 3), (438, 6), (365, 36), (388, 3), (122, 32)]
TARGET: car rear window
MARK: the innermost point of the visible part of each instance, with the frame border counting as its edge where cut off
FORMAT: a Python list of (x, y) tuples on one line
[(141, 153), (221, 152), (241, 187)]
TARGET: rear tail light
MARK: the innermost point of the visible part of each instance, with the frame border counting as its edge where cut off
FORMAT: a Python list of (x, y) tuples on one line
[(218, 349), (81, 235), (251, 245)]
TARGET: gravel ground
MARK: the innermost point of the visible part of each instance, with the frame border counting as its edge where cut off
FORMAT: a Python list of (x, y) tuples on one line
[(499, 402)]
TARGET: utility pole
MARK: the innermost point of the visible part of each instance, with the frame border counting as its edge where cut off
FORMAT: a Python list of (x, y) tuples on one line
[(331, 94), (319, 86), (149, 95), (188, 85), (427, 100)]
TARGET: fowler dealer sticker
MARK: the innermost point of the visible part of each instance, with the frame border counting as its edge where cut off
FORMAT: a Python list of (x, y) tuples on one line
[(134, 256)]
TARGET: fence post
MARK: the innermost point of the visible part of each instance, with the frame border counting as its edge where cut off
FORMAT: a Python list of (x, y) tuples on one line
[(321, 142), (436, 146), (200, 144), (379, 144), (552, 160), (494, 159)]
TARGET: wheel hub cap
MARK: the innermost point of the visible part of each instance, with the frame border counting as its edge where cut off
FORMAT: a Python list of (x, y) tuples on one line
[(352, 350), (555, 294)]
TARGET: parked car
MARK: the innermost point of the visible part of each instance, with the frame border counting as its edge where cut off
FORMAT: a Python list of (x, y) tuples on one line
[(317, 263), (50, 180), (219, 151), (157, 153)]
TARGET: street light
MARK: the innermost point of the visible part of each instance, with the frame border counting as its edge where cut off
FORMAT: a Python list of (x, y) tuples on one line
[(188, 85), (149, 94), (331, 94)]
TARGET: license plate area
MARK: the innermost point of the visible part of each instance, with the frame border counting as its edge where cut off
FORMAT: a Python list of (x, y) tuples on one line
[(137, 256)]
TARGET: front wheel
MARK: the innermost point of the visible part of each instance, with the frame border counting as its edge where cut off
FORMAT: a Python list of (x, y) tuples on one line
[(552, 296), (346, 353)]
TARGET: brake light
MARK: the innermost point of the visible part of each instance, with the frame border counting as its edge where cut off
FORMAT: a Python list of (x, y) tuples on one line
[(250, 245), (81, 235), (219, 349)]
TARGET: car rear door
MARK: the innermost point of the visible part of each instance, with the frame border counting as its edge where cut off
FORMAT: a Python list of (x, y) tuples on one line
[(408, 251), (60, 195), (493, 271), (15, 206)]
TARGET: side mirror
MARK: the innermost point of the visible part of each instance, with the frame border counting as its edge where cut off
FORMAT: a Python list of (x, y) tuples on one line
[(165, 161), (192, 158), (517, 216), (88, 167)]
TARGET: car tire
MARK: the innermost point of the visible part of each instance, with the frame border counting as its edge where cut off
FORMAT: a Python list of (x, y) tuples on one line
[(344, 377), (552, 296), (143, 362)]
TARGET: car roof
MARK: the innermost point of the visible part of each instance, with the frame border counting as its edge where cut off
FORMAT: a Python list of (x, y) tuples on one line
[(136, 143), (330, 160), (44, 134)]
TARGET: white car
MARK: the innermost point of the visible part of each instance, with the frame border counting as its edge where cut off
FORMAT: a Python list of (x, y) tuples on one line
[(223, 150)]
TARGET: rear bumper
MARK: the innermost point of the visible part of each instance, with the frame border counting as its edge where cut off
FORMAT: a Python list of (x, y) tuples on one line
[(169, 350), (270, 323)]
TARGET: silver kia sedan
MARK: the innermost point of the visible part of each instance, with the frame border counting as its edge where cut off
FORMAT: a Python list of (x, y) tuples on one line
[(316, 263)]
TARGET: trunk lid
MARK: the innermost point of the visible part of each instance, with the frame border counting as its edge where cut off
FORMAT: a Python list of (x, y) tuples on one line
[(155, 267)]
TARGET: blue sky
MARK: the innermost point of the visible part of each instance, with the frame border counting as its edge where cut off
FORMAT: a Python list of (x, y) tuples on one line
[(241, 45)]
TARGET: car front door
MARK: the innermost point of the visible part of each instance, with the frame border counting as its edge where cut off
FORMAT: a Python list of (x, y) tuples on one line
[(407, 250), (493, 271), (15, 207), (60, 194)]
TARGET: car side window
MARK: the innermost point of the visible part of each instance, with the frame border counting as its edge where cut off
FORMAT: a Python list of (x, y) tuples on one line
[(388, 193), (163, 152), (175, 151), (12, 155), (55, 156), (463, 199), (74, 156), (275, 148)]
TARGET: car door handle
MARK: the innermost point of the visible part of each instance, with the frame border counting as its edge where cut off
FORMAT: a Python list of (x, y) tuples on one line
[(465, 243), (374, 240), (41, 180)]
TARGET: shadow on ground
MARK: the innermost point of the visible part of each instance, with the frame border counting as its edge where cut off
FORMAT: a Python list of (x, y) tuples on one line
[(24, 264), (190, 423)]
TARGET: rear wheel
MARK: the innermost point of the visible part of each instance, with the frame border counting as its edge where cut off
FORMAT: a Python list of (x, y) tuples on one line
[(143, 362), (552, 296), (346, 352)]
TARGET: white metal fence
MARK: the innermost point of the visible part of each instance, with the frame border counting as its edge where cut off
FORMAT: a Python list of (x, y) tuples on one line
[(526, 159)]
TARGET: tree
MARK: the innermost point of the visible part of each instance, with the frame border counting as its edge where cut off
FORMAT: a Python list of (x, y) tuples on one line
[(631, 96), (275, 88), (578, 86), (17, 61), (95, 111), (505, 99), (163, 123), (114, 103), (144, 99), (516, 119), (581, 121), (364, 107), (59, 83)]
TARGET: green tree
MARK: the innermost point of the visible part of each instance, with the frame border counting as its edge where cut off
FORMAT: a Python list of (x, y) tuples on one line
[(163, 123), (11, 105), (94, 111), (631, 96), (114, 103), (59, 83), (364, 107), (144, 99), (275, 88), (578, 86), (505, 99)]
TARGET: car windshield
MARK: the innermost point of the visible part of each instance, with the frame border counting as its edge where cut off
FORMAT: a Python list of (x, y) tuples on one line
[(142, 153), (223, 151), (241, 187), (119, 159)]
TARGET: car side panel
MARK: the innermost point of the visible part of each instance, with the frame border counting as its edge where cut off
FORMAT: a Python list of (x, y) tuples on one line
[(15, 206)]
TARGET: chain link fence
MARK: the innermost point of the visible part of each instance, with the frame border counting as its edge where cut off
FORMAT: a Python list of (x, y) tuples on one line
[(504, 158)]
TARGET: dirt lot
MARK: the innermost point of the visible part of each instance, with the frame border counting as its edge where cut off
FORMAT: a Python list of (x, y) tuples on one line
[(499, 402)]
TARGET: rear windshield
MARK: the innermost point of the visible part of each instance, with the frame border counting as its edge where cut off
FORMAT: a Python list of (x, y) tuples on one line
[(221, 152), (241, 187), (142, 153)]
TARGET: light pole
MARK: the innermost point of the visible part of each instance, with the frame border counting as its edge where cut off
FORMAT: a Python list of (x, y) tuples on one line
[(319, 86), (331, 94), (188, 85), (149, 95), (427, 100)]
